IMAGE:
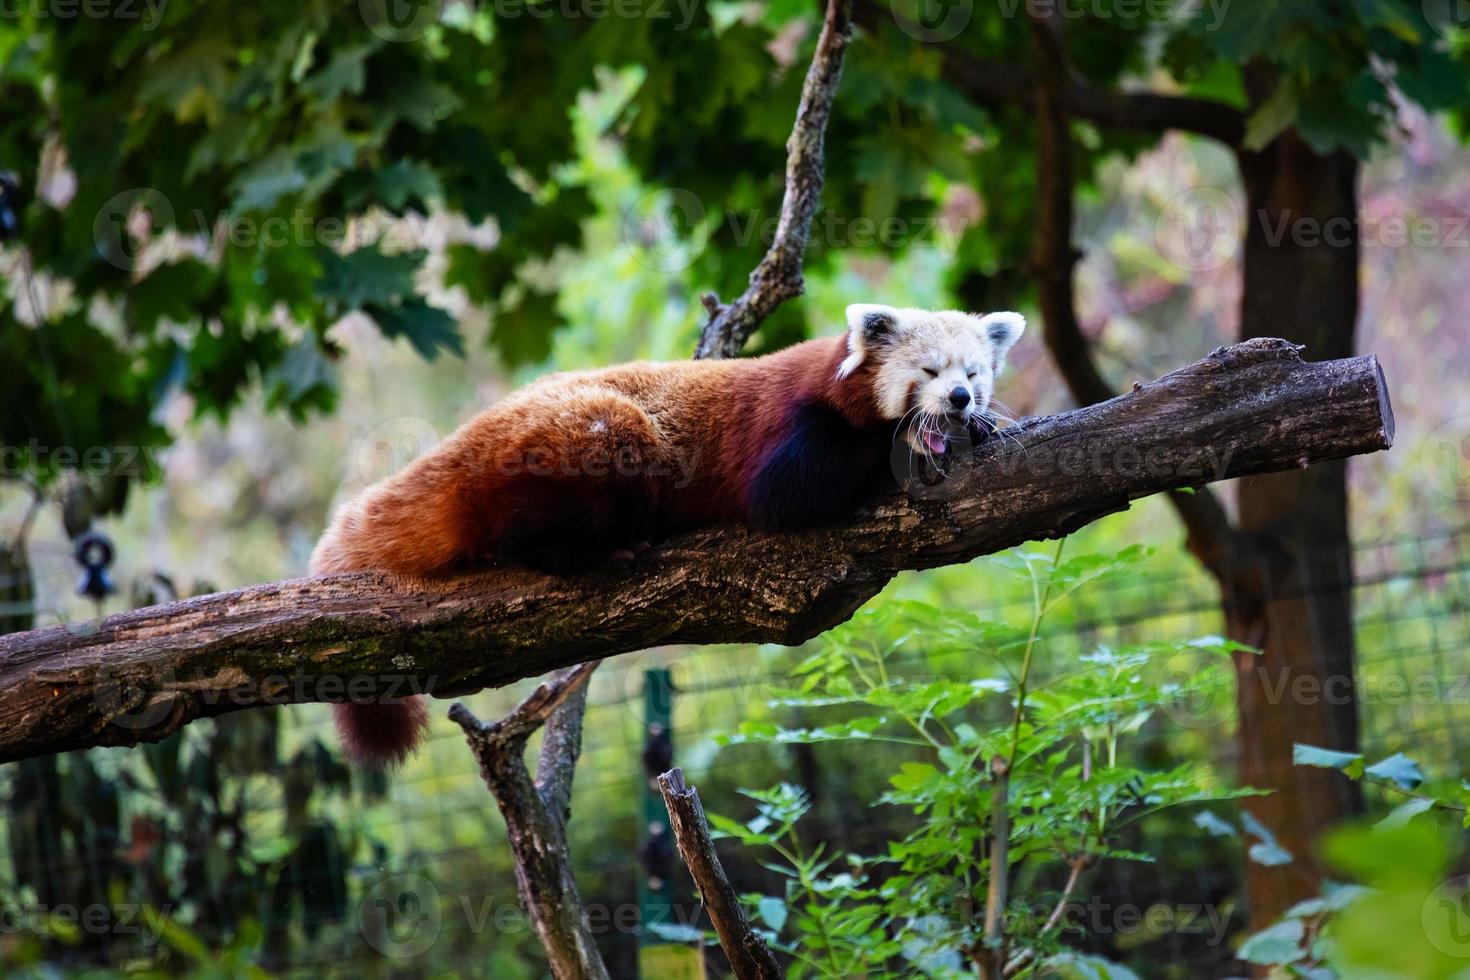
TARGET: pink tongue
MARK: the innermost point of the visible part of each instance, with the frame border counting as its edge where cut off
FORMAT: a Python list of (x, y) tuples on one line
[(935, 442)]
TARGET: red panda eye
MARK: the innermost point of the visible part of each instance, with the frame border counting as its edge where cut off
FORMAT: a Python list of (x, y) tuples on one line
[(931, 372)]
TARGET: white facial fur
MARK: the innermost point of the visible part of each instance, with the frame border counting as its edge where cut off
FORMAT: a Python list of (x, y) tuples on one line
[(918, 358)]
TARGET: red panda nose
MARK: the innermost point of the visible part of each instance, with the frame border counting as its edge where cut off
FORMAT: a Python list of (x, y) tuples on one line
[(960, 397)]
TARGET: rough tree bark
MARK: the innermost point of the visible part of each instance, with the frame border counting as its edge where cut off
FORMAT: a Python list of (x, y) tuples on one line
[(536, 813), (138, 676), (750, 957), (778, 277), (1288, 578)]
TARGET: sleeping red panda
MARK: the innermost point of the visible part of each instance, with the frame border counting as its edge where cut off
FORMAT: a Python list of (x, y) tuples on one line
[(580, 466)]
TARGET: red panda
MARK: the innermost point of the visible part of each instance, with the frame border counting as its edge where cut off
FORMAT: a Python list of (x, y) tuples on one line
[(580, 466)]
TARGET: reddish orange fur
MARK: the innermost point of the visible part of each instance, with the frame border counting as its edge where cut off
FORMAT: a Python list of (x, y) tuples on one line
[(696, 432), (579, 467), (708, 421)]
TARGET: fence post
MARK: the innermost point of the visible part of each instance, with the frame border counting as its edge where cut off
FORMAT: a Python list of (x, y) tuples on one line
[(666, 956)]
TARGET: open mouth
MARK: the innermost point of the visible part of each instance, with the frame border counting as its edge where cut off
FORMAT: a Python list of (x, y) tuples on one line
[(934, 436)]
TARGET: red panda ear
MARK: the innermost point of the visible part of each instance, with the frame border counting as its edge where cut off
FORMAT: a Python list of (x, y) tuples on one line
[(867, 325), (871, 320), (1002, 330)]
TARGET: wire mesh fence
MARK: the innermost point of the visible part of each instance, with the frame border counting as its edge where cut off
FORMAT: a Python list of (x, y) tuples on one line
[(243, 840)]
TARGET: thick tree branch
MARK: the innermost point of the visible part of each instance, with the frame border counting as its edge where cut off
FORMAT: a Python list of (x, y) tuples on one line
[(1053, 268), (1255, 407), (750, 957), (996, 83), (536, 812), (778, 276)]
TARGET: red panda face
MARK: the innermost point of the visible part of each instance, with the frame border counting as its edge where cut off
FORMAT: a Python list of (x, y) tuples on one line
[(934, 371)]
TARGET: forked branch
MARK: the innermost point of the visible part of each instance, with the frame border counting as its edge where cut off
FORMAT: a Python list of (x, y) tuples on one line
[(778, 277), (535, 812)]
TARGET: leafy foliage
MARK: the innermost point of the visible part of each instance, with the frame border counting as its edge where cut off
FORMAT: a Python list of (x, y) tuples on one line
[(203, 191), (1401, 917), (1052, 756)]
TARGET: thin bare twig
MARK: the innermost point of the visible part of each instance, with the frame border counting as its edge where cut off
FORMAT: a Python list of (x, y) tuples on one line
[(750, 957), (1078, 864), (992, 952), (778, 277)]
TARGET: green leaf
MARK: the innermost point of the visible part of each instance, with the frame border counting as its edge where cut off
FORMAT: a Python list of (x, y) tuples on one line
[(428, 328), (912, 775), (1275, 945), (1415, 851), (343, 74), (1266, 851), (772, 912), (1405, 812), (675, 932), (260, 187), (367, 276), (403, 182), (1084, 966), (1213, 825), (303, 376), (1399, 769), (522, 333), (1273, 116), (1348, 763)]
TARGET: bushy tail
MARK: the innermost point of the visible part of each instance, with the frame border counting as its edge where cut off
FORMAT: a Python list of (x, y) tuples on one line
[(380, 734), (409, 525)]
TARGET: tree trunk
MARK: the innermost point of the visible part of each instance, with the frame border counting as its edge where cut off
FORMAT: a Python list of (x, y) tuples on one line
[(1288, 585)]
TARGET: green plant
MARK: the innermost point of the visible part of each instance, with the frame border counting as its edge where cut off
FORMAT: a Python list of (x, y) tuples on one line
[(1401, 916), (1029, 774)]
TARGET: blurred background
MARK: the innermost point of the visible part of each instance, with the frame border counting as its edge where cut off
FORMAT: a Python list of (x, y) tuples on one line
[(259, 256)]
